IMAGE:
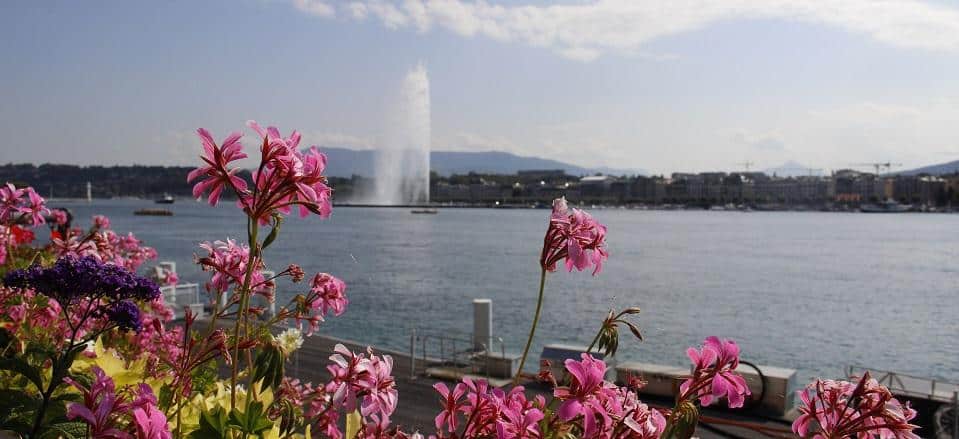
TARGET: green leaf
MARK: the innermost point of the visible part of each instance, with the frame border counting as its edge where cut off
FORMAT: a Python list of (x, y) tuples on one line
[(277, 222), (6, 338), (353, 424), (212, 425), (17, 409), (21, 367), (253, 421), (66, 430), (269, 366)]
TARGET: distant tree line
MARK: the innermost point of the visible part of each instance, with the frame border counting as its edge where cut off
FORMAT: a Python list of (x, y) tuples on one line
[(70, 181)]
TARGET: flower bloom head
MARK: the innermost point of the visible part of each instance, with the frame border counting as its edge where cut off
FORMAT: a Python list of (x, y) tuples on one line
[(21, 205), (329, 293), (289, 340), (575, 236), (363, 382), (844, 409), (286, 178), (228, 260), (58, 217), (585, 394), (101, 222), (714, 374), (216, 174)]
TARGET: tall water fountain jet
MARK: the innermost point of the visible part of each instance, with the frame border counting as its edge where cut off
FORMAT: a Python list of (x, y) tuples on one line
[(403, 160)]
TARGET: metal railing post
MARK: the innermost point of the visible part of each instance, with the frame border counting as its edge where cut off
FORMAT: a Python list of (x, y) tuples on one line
[(955, 415), (413, 354)]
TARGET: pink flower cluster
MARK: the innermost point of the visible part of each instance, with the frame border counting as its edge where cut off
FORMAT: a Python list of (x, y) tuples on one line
[(486, 411), (590, 405), (286, 176), (21, 206), (106, 412), (834, 409), (32, 317), (104, 244), (229, 261), (575, 236), (714, 374), (327, 294), (361, 382)]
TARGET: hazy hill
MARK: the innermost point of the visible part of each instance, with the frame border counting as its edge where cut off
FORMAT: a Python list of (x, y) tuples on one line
[(940, 169), (345, 162), (793, 169)]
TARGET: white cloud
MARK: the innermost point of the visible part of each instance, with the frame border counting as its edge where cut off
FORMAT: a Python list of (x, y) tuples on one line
[(762, 142), (338, 139), (584, 31), (315, 7)]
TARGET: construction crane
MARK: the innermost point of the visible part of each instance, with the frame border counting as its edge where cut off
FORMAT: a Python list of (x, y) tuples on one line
[(746, 165), (878, 165)]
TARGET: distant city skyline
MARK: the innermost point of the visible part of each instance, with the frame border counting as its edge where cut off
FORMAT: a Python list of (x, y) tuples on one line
[(695, 86)]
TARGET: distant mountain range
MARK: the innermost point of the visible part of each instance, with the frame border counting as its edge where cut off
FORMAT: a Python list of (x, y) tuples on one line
[(793, 169), (344, 162), (940, 169)]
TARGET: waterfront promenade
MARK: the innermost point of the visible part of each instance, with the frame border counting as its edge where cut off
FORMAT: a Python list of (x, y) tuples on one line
[(419, 402)]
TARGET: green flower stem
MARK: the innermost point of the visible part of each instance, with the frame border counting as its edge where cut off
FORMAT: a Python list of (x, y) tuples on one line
[(252, 228), (532, 330), (595, 339)]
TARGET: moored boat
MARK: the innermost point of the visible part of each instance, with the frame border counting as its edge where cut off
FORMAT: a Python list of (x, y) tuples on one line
[(888, 206), (165, 199)]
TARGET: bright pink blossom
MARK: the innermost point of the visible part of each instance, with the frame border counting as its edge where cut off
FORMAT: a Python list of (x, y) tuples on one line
[(381, 395), (585, 394), (574, 236), (58, 216), (101, 222), (150, 423), (228, 261), (452, 403), (714, 374), (216, 174), (287, 177), (519, 417), (329, 293), (865, 409), (21, 205), (101, 408)]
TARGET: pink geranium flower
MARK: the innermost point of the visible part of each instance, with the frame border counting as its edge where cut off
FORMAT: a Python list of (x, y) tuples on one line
[(585, 394), (101, 407), (452, 403), (714, 374), (150, 423), (329, 293), (575, 236), (287, 177), (229, 260), (217, 174), (844, 409)]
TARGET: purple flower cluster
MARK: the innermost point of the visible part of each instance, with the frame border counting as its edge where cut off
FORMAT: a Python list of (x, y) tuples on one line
[(72, 279)]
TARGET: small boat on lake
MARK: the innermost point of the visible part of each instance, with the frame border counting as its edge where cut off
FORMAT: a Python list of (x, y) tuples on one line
[(426, 211), (153, 212), (888, 206), (165, 199)]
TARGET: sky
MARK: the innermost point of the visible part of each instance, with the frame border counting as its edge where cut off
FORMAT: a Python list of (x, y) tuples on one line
[(665, 86)]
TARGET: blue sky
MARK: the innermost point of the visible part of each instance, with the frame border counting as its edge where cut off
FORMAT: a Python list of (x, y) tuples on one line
[(669, 86)]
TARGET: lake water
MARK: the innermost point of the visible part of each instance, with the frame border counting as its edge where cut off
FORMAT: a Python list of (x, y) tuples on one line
[(807, 290)]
